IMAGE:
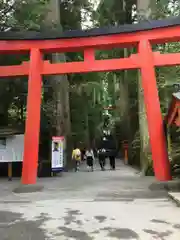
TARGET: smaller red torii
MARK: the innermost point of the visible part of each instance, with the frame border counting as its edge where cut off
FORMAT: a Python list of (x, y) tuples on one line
[(141, 36), (173, 115)]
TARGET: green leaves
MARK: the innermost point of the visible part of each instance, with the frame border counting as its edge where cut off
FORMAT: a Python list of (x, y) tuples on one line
[(21, 15), (30, 14), (18, 16)]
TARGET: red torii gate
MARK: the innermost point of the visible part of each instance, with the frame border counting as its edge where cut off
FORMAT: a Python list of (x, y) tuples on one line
[(140, 35)]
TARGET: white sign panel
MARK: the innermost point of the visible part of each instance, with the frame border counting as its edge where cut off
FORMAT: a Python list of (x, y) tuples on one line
[(12, 148), (57, 153)]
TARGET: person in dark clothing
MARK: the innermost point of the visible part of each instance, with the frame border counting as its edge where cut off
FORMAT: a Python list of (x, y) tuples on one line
[(108, 143), (112, 162), (83, 151), (112, 154), (102, 158), (111, 151)]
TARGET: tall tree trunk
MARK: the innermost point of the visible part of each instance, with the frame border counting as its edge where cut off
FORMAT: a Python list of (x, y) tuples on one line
[(125, 115), (60, 87), (144, 12)]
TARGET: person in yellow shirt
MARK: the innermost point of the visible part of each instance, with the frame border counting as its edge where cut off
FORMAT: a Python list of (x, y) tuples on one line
[(76, 157)]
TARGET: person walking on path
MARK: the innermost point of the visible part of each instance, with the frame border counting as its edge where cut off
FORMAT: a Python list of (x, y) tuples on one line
[(102, 158), (112, 161), (109, 144), (112, 151), (83, 151), (76, 157), (89, 154)]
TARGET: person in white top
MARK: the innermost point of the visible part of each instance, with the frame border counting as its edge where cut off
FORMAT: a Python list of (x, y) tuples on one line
[(90, 158)]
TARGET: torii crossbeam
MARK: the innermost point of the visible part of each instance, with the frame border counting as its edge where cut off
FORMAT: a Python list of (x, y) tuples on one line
[(141, 36)]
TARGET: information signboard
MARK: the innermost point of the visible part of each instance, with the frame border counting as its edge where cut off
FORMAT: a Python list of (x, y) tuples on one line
[(57, 161)]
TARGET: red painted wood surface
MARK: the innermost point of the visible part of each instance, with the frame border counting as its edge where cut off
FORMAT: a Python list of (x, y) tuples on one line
[(170, 34), (173, 115), (125, 146), (31, 142), (90, 65), (154, 116)]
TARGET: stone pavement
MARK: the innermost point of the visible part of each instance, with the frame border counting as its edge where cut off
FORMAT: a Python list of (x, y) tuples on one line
[(86, 206), (175, 196)]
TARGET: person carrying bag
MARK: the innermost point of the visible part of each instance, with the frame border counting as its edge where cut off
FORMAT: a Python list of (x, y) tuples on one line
[(90, 158), (76, 157)]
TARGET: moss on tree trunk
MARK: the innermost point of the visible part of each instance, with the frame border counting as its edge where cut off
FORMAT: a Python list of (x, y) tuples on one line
[(144, 12)]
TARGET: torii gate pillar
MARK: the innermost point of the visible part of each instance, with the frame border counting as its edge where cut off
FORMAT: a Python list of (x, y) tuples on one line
[(31, 142), (153, 112)]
